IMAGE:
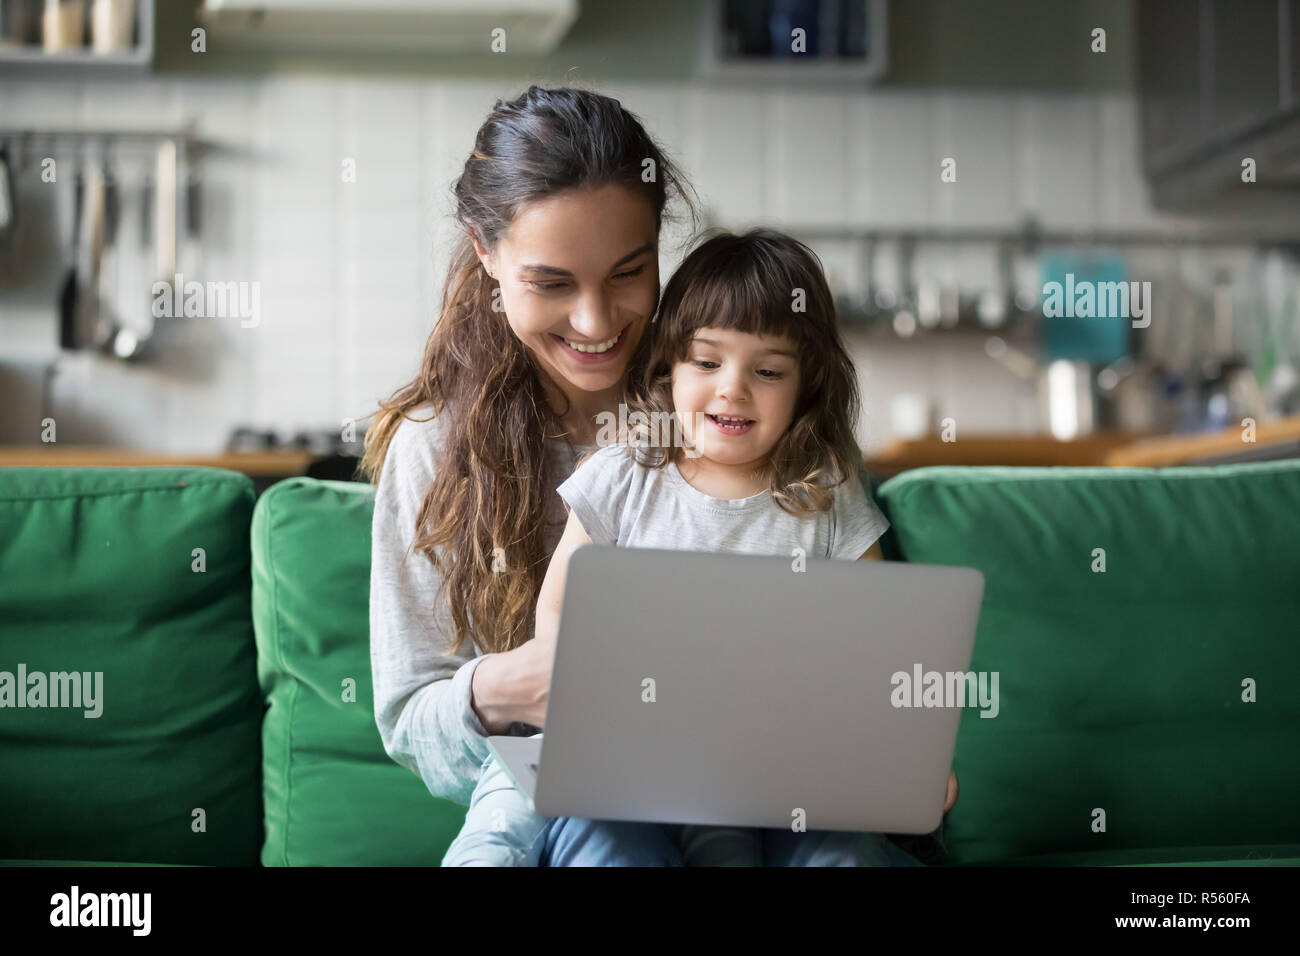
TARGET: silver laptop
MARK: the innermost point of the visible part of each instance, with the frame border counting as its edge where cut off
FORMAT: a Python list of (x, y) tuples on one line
[(723, 689)]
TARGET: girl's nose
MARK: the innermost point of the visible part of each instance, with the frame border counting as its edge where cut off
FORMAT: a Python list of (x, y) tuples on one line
[(733, 387)]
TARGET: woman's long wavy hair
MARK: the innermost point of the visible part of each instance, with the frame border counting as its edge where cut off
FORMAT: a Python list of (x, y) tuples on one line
[(494, 483), (765, 283)]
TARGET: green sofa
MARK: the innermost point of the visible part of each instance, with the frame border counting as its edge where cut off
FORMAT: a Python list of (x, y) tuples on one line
[(235, 723)]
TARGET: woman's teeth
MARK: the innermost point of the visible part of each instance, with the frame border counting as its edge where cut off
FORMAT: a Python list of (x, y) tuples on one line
[(598, 347)]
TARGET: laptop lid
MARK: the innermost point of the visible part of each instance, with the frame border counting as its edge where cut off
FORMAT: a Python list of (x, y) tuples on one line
[(725, 689)]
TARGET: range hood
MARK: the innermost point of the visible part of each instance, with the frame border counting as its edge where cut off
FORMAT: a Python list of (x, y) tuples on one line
[(532, 27)]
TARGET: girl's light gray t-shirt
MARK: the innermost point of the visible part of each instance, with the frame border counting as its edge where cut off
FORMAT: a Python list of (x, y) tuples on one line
[(625, 503), (422, 691)]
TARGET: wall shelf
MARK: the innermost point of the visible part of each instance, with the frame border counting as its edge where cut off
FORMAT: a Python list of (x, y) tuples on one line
[(32, 59)]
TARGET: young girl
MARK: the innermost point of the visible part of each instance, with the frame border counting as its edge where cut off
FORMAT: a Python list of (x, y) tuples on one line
[(746, 359)]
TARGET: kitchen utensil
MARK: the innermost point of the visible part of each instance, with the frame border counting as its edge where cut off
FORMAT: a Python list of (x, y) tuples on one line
[(912, 416), (161, 231), (63, 26), (69, 333), (1066, 402), (111, 24), (1070, 332), (92, 247), (996, 303), (6, 191), (189, 254), (107, 326)]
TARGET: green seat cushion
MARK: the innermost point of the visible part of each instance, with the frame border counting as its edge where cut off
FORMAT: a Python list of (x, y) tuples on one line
[(1121, 691), (1287, 854), (332, 795), (99, 575)]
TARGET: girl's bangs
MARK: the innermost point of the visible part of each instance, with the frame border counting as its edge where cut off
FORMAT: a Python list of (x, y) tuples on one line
[(738, 300)]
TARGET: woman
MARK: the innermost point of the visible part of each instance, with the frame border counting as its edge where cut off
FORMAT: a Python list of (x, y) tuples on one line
[(550, 288), (548, 292)]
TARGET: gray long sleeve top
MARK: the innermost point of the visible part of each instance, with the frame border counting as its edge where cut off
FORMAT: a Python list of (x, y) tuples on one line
[(422, 691)]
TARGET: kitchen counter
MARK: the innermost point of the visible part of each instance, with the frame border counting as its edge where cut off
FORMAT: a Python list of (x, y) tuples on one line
[(255, 464), (993, 449)]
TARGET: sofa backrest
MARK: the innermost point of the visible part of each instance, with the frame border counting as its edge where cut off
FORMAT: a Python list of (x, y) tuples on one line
[(131, 587), (1143, 623), (333, 796)]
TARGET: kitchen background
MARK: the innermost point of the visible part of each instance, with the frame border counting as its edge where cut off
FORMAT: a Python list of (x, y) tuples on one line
[(1123, 164)]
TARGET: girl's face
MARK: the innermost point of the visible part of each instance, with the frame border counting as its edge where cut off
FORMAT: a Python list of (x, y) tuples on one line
[(579, 277), (735, 393)]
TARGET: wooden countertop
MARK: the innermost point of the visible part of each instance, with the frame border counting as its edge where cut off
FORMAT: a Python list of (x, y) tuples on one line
[(255, 464), (1123, 449), (1156, 452), (1022, 450)]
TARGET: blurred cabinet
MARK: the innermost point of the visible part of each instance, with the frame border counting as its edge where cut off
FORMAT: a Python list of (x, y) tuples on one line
[(1218, 82)]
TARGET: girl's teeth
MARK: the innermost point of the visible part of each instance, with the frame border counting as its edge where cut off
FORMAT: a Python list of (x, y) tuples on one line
[(598, 347)]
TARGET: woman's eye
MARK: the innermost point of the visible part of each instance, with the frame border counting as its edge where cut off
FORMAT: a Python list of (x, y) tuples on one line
[(556, 286)]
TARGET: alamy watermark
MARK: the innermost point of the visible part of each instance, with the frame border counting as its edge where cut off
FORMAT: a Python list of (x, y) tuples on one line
[(208, 300), (82, 689), (923, 688), (641, 430), (1086, 299), (129, 910)]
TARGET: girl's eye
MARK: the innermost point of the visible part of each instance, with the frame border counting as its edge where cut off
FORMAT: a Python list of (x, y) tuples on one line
[(706, 364), (770, 374), (554, 286)]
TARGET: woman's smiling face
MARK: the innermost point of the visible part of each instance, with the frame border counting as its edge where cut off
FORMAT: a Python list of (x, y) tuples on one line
[(579, 277)]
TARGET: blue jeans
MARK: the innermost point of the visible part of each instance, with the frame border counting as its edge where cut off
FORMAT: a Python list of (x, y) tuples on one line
[(502, 829), (763, 846)]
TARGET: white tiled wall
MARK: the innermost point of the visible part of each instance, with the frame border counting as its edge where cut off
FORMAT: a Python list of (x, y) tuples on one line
[(350, 273)]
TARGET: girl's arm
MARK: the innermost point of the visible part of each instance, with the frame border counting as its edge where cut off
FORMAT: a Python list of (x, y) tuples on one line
[(552, 593), (872, 553)]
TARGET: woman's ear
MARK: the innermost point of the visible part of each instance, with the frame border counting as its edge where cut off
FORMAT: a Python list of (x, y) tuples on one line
[(483, 255)]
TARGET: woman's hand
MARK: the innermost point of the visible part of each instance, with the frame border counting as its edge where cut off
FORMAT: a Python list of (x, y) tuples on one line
[(513, 686), (951, 798), (534, 662)]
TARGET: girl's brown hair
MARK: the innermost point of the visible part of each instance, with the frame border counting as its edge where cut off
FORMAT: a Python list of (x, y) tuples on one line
[(494, 479), (765, 283)]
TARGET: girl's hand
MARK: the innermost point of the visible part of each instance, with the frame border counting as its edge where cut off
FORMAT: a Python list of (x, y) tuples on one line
[(952, 791), (536, 658)]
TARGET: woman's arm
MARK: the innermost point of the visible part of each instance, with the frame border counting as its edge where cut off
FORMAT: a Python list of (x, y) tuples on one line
[(422, 692)]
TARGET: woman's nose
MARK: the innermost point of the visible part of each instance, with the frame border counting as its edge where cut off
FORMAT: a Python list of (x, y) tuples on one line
[(592, 316)]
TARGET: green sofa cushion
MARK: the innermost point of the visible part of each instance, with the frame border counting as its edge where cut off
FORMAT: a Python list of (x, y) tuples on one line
[(99, 575), (1121, 690), (1282, 854), (332, 795)]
